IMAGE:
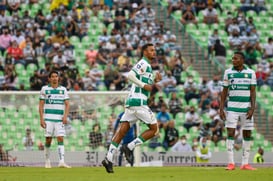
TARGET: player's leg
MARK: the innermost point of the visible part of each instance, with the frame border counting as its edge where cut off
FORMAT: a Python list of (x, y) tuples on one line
[(146, 115), (232, 120), (247, 127), (60, 133), (48, 140)]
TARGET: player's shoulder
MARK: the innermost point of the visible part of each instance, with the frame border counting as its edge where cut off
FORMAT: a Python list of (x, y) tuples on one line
[(62, 88), (250, 70)]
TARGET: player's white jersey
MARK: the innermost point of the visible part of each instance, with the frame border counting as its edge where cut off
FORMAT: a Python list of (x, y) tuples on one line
[(54, 102), (138, 96), (239, 84)]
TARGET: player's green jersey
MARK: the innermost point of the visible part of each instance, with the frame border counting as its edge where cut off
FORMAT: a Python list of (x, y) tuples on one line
[(138, 96), (239, 83), (54, 102)]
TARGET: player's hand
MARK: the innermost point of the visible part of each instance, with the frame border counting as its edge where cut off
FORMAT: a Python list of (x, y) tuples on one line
[(148, 87), (158, 77), (64, 120), (222, 114), (43, 124), (249, 113)]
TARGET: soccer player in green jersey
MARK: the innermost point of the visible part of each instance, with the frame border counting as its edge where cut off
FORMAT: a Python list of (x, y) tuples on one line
[(136, 107), (240, 86), (53, 110)]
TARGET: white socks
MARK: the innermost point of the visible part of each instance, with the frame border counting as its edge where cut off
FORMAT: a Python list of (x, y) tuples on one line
[(135, 142), (112, 150), (230, 147), (61, 153), (47, 152), (246, 151)]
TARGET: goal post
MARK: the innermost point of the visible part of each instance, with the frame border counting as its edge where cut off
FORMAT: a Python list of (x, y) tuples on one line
[(19, 110)]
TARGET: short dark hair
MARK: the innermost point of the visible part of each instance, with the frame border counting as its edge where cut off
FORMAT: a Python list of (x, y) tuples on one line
[(53, 72), (144, 47), (240, 53)]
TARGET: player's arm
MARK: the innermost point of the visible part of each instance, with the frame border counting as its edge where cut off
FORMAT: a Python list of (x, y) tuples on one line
[(41, 113), (252, 102), (66, 111)]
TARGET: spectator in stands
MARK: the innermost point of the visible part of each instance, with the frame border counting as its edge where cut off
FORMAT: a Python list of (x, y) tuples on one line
[(109, 75), (188, 16), (252, 40), (44, 72), (18, 37), (212, 40), (217, 129), (265, 65), (83, 27), (228, 21), (72, 28), (205, 131), (28, 140), (107, 16), (190, 89), (13, 6), (203, 153), (251, 56), (167, 84), (163, 117), (119, 82), (149, 13), (5, 40), (246, 5), (215, 85), (199, 5), (59, 37), (204, 103), (203, 86), (232, 27), (175, 104), (91, 55), (192, 119), (11, 78), (261, 77), (210, 15), (16, 53), (269, 80), (194, 144), (174, 5), (235, 41), (3, 6), (68, 51), (140, 3), (29, 55), (120, 16), (250, 24), (220, 52), (95, 137), (181, 145), (171, 135), (59, 61), (242, 21), (259, 5), (35, 82), (268, 48), (152, 103)]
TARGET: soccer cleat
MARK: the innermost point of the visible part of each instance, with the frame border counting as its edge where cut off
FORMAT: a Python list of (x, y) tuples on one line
[(231, 166), (47, 164), (247, 167), (108, 165), (128, 154), (63, 165)]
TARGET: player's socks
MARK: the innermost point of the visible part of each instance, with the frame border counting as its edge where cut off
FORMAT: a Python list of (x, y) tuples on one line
[(47, 151), (112, 150), (230, 147), (61, 151), (138, 141), (246, 150)]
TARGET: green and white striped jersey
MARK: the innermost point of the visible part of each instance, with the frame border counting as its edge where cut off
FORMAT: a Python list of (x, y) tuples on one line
[(54, 102), (239, 84), (138, 96)]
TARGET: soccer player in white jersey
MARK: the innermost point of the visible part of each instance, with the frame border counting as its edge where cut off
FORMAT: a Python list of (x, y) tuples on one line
[(53, 110), (136, 107), (240, 84)]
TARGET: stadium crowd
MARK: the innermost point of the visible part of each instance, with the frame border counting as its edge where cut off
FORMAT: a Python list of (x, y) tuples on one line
[(60, 36)]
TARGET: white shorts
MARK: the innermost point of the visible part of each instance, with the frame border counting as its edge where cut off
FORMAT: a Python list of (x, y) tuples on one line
[(54, 129), (233, 118), (135, 113)]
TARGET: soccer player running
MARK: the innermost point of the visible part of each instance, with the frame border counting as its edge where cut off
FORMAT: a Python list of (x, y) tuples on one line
[(240, 83), (53, 110), (136, 107)]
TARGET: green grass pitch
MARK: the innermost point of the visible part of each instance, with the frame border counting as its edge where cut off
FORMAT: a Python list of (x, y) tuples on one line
[(134, 174)]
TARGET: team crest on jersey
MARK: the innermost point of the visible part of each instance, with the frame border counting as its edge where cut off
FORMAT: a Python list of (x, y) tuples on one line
[(246, 75), (61, 92), (231, 75)]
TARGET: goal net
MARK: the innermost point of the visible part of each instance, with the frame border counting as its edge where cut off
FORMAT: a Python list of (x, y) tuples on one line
[(19, 111)]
